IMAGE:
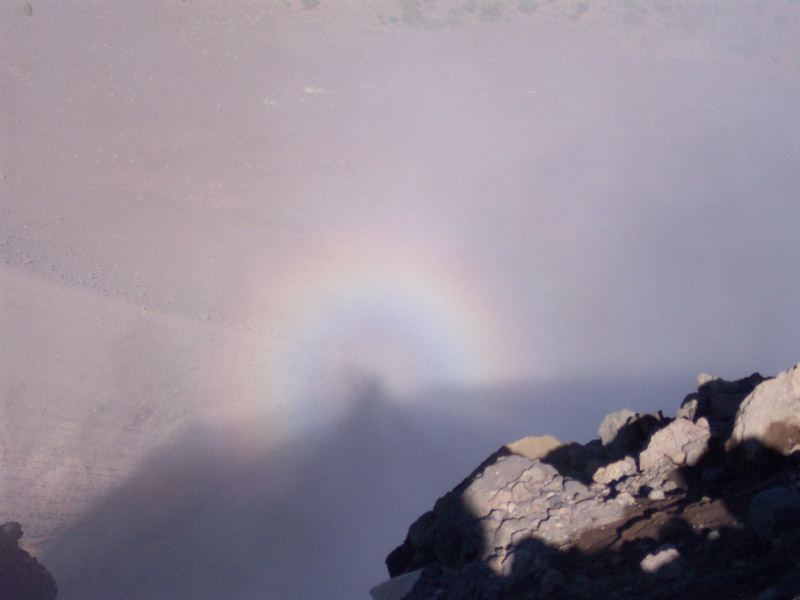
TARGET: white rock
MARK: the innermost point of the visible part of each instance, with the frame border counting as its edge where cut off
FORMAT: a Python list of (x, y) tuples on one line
[(770, 416), (705, 378), (669, 443), (665, 562), (615, 471)]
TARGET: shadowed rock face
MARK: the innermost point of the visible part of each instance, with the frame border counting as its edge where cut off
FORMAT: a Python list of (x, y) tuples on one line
[(686, 513), (21, 575)]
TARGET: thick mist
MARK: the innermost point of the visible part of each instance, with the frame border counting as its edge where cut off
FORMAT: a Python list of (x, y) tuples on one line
[(276, 275)]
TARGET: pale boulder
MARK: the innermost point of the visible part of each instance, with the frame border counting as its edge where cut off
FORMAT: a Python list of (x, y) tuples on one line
[(770, 416), (615, 471), (681, 442)]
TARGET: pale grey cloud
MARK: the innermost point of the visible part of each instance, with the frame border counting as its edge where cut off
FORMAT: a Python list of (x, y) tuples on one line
[(251, 208)]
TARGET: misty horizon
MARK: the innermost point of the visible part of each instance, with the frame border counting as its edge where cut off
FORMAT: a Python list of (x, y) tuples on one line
[(221, 224)]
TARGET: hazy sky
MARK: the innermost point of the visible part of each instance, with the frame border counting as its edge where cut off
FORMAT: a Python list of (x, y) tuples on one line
[(238, 211)]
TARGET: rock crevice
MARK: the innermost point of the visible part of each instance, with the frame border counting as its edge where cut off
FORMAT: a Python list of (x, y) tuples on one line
[(652, 509)]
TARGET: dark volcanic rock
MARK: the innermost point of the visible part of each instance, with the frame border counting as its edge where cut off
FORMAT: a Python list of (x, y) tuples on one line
[(657, 508), (774, 514), (21, 575)]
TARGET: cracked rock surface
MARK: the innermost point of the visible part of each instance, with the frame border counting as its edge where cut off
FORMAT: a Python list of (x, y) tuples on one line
[(657, 508)]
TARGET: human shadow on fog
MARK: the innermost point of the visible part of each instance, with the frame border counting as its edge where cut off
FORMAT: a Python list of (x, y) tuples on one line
[(208, 517), (204, 517)]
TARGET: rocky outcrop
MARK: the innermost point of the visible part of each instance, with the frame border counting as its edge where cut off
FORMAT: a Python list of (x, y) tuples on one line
[(21, 575), (656, 508)]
